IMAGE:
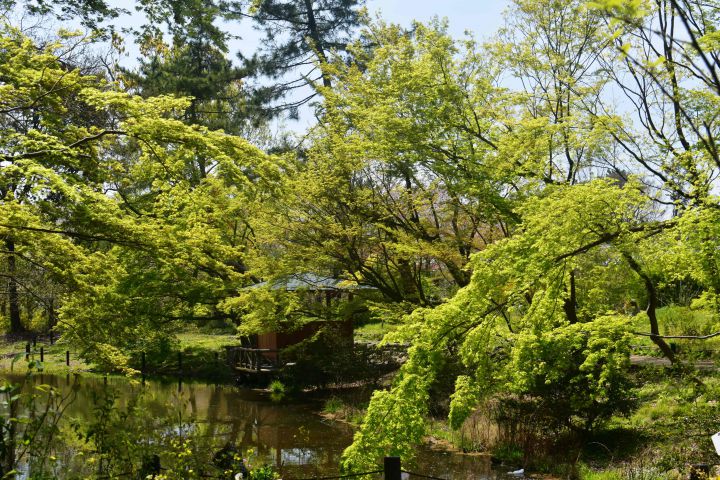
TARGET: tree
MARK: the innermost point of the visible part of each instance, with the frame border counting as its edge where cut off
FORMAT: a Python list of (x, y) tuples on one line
[(537, 321), (558, 132), (92, 13), (512, 330), (397, 190), (134, 261), (669, 74), (300, 36), (194, 64)]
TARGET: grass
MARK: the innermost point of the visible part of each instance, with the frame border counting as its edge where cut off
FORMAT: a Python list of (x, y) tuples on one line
[(199, 356), (678, 320), (587, 473), (348, 411), (332, 405), (467, 438), (13, 357), (372, 332), (206, 341), (277, 387)]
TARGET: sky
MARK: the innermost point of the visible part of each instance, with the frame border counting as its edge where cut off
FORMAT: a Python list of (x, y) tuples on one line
[(481, 17)]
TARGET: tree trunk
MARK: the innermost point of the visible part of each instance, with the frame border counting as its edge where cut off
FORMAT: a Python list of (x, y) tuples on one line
[(16, 325), (651, 308), (407, 282), (570, 305), (51, 313), (315, 36)]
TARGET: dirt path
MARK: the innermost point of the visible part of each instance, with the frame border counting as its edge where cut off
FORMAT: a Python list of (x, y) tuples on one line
[(664, 362)]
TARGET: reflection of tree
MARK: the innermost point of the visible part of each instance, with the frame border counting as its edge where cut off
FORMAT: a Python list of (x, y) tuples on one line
[(142, 421)]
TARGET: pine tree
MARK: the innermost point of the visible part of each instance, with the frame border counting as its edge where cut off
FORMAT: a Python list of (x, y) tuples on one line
[(299, 36)]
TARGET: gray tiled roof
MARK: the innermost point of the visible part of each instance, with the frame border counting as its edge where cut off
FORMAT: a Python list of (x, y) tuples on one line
[(312, 282)]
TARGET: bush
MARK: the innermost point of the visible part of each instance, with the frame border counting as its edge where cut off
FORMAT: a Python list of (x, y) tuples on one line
[(575, 376), (331, 358), (265, 472), (332, 405), (685, 321)]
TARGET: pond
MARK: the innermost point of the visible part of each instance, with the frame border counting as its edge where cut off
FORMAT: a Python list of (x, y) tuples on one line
[(290, 434)]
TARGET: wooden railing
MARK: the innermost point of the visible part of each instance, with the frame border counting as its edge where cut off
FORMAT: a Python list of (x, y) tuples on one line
[(256, 360)]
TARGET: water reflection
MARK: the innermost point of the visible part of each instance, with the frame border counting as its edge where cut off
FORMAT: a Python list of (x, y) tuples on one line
[(290, 435)]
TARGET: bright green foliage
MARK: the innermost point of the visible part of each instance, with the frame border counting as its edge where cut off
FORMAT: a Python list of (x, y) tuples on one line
[(558, 131), (396, 421), (395, 192), (545, 318), (516, 333), (108, 205), (578, 371), (268, 310), (514, 233)]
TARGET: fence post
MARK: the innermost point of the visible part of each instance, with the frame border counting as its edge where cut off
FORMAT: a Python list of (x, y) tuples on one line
[(52, 338), (67, 358), (700, 471), (34, 341), (27, 351), (42, 354), (391, 468)]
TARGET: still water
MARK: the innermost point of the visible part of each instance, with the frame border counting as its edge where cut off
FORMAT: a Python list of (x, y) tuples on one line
[(290, 434)]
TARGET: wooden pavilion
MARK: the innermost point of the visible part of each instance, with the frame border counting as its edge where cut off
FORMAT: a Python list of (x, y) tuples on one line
[(262, 353)]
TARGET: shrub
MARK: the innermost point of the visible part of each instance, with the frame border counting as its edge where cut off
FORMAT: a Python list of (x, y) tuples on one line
[(331, 358)]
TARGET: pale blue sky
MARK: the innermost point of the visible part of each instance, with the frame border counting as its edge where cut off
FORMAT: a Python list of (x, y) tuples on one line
[(481, 17)]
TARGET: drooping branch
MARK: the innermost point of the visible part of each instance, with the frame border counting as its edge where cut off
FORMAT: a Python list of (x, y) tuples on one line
[(81, 236), (607, 237), (75, 144), (678, 337)]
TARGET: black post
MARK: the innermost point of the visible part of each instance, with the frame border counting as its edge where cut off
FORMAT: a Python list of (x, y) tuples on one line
[(67, 358), (700, 471), (392, 468), (52, 338), (180, 362), (42, 354), (34, 341), (27, 351)]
